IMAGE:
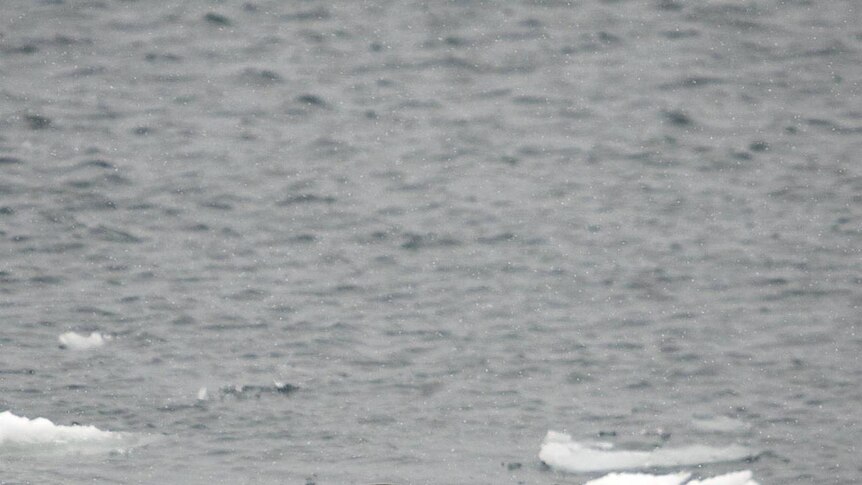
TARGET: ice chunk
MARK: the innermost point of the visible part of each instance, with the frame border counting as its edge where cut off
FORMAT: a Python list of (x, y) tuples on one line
[(640, 479), (736, 478), (73, 341), (20, 431), (202, 394), (560, 452)]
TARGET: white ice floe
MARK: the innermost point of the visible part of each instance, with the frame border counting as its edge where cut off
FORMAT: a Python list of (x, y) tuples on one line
[(17, 431), (73, 341), (736, 478), (640, 479), (202, 394), (561, 452)]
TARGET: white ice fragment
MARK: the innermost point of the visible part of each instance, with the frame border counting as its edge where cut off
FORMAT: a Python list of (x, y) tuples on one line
[(73, 341), (560, 452), (202, 394), (736, 478), (640, 479), (17, 430)]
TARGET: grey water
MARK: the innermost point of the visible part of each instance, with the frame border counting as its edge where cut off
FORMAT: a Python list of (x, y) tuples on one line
[(449, 227)]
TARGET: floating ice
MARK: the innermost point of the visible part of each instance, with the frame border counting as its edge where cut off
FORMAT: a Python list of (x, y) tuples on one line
[(202, 394), (640, 479), (736, 478), (560, 452), (73, 341), (17, 431)]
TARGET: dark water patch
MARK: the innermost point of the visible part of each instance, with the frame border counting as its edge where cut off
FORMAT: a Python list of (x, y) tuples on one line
[(160, 56), (499, 238), (531, 100), (37, 122), (448, 41), (833, 48), (681, 34), (311, 100), (176, 407), (22, 372), (197, 228), (307, 199), (260, 77), (376, 419), (677, 118), (346, 288), (759, 146), (86, 71), (669, 5), (312, 15), (415, 241), (240, 326), (741, 155), (110, 179), (450, 62), (627, 346), (217, 19), (692, 82), (6, 211), (46, 280), (95, 311), (184, 320), (326, 148), (61, 40), (303, 238), (256, 392), (577, 377), (249, 294), (96, 163), (28, 48), (11, 161), (608, 38), (142, 131), (109, 234), (55, 248), (639, 385), (90, 201), (832, 126), (59, 217), (217, 204)]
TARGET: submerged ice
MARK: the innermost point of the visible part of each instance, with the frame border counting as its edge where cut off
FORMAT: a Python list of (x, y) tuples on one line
[(561, 452)]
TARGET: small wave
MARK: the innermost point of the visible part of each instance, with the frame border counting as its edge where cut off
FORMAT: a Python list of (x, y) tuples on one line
[(247, 391), (73, 341), (720, 424), (736, 478), (40, 434), (562, 453)]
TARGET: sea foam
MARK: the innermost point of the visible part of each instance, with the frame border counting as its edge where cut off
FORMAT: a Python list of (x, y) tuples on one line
[(561, 452), (73, 341), (21, 432)]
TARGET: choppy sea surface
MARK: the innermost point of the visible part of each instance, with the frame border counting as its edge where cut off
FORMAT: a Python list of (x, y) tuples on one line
[(400, 241)]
